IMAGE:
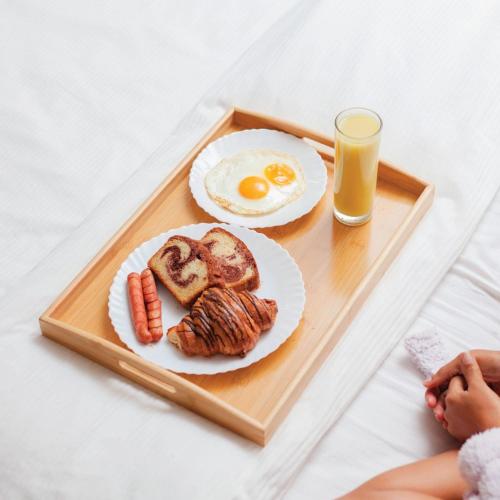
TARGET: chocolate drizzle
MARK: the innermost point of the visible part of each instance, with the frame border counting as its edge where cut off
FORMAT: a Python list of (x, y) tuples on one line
[(224, 321)]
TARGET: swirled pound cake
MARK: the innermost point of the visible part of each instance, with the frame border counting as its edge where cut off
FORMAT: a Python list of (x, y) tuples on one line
[(234, 259), (186, 267)]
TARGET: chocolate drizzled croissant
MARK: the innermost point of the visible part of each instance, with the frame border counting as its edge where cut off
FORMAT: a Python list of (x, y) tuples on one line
[(223, 321)]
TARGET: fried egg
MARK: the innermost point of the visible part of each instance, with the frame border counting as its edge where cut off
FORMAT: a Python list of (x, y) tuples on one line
[(255, 182)]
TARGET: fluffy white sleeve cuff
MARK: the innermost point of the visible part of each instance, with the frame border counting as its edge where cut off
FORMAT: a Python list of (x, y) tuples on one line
[(479, 461)]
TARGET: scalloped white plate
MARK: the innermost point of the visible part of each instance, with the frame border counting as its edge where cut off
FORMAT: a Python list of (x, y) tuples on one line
[(228, 145), (280, 278)]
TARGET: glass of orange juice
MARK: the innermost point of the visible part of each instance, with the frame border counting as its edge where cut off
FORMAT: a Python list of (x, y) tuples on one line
[(357, 140)]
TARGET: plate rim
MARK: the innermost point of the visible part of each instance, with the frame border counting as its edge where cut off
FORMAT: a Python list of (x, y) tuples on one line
[(301, 285), (256, 225)]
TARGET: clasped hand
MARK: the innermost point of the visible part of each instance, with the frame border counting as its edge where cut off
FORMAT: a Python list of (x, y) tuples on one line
[(465, 393)]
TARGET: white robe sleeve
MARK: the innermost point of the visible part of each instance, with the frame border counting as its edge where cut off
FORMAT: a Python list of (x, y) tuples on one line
[(479, 462)]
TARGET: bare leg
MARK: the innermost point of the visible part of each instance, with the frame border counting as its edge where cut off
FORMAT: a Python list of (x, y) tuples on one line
[(437, 477)]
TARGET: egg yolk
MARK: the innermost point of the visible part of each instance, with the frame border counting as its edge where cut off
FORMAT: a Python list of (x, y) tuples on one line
[(253, 187), (279, 174)]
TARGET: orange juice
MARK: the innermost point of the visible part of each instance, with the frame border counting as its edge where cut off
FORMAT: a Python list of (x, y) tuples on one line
[(357, 140)]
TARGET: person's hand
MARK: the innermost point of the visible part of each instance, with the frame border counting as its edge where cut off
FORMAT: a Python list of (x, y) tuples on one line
[(471, 406), (489, 362)]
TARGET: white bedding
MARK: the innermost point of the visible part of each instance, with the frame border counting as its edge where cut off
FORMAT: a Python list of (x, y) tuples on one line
[(388, 424), (99, 101)]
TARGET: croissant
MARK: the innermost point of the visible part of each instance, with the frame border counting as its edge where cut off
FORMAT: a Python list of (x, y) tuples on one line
[(223, 321)]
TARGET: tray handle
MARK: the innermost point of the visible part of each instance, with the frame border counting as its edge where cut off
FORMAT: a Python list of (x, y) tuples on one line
[(250, 119), (178, 389), (157, 379), (146, 378), (167, 383)]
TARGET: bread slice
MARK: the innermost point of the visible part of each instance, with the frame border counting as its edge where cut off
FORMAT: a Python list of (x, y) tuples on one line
[(186, 268), (234, 259)]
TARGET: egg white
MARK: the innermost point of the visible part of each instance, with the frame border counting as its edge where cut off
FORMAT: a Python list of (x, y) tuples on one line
[(223, 180)]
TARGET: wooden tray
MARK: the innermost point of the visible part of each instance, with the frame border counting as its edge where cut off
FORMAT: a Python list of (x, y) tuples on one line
[(340, 266)]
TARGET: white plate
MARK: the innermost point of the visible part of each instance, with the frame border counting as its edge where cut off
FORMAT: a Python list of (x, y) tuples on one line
[(280, 278), (228, 145)]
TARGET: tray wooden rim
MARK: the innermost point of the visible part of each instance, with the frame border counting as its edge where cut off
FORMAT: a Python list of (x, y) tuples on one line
[(187, 393)]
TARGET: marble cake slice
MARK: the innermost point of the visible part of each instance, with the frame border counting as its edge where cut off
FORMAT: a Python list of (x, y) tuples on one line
[(235, 261), (186, 268)]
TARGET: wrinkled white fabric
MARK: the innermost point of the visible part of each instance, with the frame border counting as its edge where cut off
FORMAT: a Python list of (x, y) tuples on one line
[(389, 425), (90, 91)]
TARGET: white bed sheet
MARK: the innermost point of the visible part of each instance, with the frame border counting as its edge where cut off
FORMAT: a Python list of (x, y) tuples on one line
[(388, 424), (87, 95), (88, 92)]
